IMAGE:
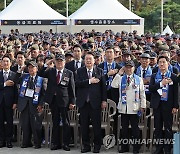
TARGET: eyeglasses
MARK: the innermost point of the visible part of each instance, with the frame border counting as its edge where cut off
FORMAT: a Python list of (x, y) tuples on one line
[(17, 47), (138, 53)]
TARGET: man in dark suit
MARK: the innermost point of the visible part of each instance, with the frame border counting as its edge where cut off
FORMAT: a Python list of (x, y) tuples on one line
[(20, 60), (8, 101), (60, 95), (91, 97), (30, 103), (171, 68), (164, 101), (78, 61), (110, 68)]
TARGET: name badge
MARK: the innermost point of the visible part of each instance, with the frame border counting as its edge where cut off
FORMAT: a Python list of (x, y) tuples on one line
[(29, 92), (146, 87), (63, 83)]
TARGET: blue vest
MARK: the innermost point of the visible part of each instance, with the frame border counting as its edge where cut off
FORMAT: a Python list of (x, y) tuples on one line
[(38, 86), (110, 78), (165, 89), (147, 75), (123, 85)]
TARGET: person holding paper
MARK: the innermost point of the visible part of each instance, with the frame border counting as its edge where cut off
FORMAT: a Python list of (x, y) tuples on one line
[(164, 101)]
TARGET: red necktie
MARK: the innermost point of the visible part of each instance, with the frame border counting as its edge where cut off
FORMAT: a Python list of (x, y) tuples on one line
[(58, 77), (128, 80)]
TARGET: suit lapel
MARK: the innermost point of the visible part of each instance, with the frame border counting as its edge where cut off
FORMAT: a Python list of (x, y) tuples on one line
[(85, 73), (2, 78)]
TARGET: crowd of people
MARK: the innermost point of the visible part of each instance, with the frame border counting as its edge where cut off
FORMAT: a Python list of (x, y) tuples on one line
[(84, 70)]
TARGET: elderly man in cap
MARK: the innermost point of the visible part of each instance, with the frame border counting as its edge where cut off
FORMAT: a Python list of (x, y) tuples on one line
[(60, 95), (30, 102), (177, 64), (144, 71), (126, 55), (153, 60), (132, 102)]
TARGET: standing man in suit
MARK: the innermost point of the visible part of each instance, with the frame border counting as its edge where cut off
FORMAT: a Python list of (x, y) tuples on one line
[(8, 101), (110, 68), (30, 102), (132, 101), (91, 98), (20, 63), (78, 61), (60, 95), (164, 101), (144, 71)]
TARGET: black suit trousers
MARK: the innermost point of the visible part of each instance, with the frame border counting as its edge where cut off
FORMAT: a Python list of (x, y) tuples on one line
[(58, 114), (87, 115), (6, 115), (134, 121), (163, 117), (31, 123)]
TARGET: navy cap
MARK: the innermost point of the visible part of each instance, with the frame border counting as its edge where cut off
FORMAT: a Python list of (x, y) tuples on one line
[(98, 34), (60, 57), (33, 63), (157, 37), (126, 52), (138, 37), (175, 36), (69, 53), (129, 63), (142, 42), (46, 41), (125, 38), (145, 55), (168, 38), (153, 55), (178, 52), (97, 54)]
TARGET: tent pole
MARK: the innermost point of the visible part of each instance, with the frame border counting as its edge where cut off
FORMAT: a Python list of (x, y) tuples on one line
[(67, 8), (4, 3), (162, 16), (129, 5)]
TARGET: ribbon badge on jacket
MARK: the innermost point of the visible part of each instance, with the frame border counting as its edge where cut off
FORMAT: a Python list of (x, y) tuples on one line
[(123, 88)]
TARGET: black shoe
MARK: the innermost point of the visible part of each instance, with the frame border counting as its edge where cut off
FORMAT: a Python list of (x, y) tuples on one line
[(123, 150), (9, 144), (2, 144), (66, 148), (96, 150), (159, 151), (55, 147), (26, 145), (37, 146), (84, 150), (135, 152)]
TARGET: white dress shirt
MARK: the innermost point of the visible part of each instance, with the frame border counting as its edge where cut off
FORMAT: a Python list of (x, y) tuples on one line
[(91, 70), (7, 74), (79, 63)]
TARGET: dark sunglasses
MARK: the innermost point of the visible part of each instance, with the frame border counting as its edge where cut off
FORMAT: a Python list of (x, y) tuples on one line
[(138, 53)]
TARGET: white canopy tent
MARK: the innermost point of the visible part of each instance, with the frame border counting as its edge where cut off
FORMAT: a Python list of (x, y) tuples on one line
[(24, 13), (105, 14), (167, 30)]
